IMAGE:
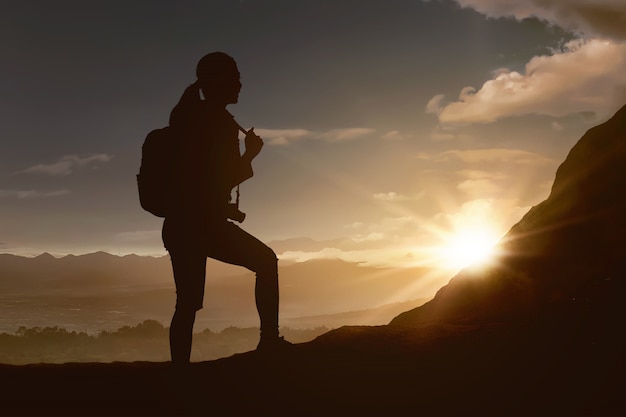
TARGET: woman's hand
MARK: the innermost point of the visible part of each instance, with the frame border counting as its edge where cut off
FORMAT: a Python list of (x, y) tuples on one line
[(254, 143)]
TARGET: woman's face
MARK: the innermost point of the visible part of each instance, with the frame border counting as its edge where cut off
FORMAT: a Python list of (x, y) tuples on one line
[(232, 87), (222, 88)]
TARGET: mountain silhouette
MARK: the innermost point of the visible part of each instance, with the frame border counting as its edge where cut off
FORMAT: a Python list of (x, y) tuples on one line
[(567, 250), (99, 291)]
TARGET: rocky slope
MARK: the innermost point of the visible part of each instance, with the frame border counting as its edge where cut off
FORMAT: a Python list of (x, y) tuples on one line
[(565, 251)]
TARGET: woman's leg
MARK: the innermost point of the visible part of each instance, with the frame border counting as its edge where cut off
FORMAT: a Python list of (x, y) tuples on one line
[(181, 335), (236, 246), (189, 276)]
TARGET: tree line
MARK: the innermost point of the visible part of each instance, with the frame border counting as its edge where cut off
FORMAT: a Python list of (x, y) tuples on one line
[(147, 341)]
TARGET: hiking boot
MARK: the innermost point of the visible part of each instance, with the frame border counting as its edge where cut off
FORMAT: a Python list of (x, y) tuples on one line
[(273, 344)]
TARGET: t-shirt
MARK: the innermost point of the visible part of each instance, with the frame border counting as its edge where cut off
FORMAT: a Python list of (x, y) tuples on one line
[(209, 162)]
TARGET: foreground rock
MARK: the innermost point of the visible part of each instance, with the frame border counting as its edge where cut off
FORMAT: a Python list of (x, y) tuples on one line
[(362, 371)]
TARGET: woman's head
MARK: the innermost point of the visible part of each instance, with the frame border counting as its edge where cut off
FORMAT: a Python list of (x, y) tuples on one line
[(218, 77)]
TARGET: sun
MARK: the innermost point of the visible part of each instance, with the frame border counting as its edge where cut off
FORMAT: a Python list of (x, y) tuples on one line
[(468, 247)]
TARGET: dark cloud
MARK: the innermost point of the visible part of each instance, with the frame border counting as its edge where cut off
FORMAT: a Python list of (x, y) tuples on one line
[(27, 194), (66, 165), (592, 18)]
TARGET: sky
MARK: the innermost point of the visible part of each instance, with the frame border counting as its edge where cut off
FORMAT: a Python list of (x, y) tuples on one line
[(396, 131)]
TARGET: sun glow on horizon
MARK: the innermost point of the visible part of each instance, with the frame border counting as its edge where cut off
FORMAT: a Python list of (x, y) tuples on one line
[(468, 247)]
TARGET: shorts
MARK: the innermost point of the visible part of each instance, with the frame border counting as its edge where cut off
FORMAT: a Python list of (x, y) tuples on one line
[(223, 241)]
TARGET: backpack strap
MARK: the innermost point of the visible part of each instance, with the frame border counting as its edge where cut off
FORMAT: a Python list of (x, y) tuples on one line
[(241, 129), (244, 131)]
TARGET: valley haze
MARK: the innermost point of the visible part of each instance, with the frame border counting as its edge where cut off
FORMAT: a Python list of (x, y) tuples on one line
[(99, 291)]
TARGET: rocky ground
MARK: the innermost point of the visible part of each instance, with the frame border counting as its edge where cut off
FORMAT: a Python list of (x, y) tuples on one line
[(488, 370)]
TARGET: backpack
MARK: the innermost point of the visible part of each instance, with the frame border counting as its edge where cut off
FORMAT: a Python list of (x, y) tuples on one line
[(155, 181), (156, 172)]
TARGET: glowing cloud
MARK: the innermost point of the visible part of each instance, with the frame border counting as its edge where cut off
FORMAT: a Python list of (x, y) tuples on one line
[(479, 187), (390, 196), (338, 135), (393, 135), (434, 104), (495, 155), (282, 136), (289, 136), (585, 76)]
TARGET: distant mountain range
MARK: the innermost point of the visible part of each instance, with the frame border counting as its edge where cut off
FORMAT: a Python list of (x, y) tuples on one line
[(102, 291)]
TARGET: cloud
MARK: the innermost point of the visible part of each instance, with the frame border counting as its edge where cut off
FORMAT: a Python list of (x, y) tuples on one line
[(390, 196), (390, 229), (339, 135), (477, 174), (29, 194), (557, 126), (364, 257), (443, 132), (480, 183), (434, 104), (592, 18), (587, 76), (139, 236), (479, 187), (393, 135), (493, 155), (282, 136), (66, 165), (371, 237), (370, 249), (355, 225)]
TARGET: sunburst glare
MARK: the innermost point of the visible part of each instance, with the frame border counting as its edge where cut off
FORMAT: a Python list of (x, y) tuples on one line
[(468, 237), (470, 246)]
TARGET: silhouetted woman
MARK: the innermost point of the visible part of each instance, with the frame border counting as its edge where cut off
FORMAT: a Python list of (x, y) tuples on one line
[(198, 226)]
